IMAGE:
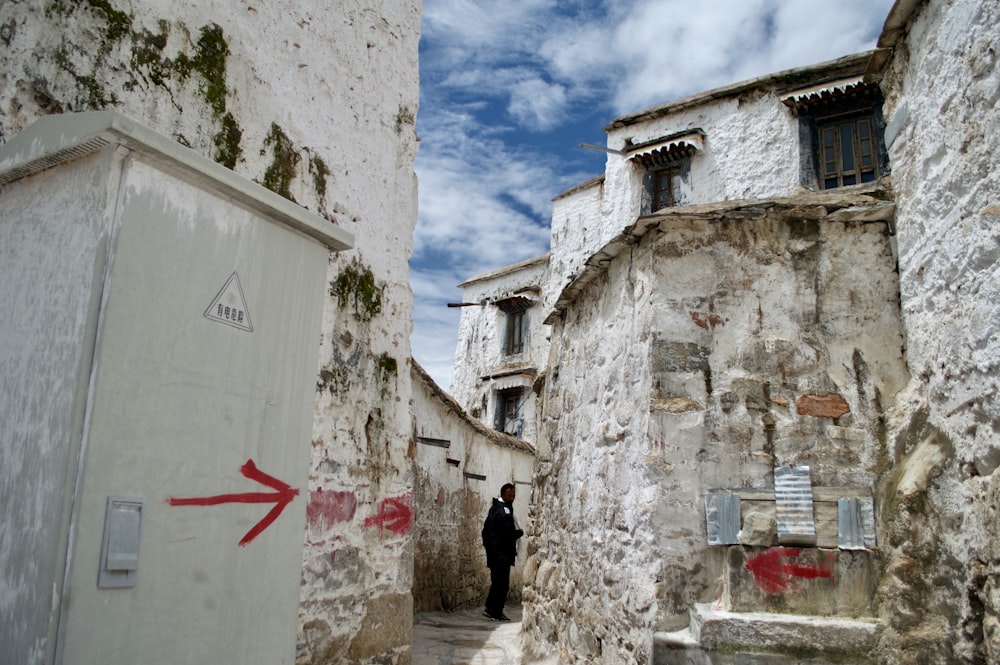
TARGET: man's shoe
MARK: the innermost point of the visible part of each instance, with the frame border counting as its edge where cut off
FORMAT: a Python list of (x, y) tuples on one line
[(491, 617), (504, 617)]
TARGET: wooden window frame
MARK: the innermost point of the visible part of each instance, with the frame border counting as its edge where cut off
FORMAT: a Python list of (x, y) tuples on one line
[(846, 150), (663, 187), (517, 321)]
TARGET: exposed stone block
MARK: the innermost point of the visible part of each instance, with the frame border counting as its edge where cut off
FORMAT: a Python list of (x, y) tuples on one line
[(672, 356), (822, 406), (759, 529)]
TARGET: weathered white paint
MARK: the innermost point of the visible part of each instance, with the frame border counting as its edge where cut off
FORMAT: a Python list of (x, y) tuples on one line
[(575, 231), (342, 88), (714, 327), (686, 350), (941, 101), (741, 123)]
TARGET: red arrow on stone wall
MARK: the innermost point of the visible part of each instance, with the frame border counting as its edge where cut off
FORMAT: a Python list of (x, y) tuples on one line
[(394, 515), (773, 575), (281, 498)]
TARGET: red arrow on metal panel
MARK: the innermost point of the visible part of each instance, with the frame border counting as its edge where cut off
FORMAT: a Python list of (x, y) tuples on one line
[(281, 498), (773, 575)]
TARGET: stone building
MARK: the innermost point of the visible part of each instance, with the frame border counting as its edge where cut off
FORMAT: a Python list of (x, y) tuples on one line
[(317, 106), (501, 345), (789, 404)]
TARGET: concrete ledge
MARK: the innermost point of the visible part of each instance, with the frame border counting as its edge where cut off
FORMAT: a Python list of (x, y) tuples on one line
[(718, 637), (718, 629)]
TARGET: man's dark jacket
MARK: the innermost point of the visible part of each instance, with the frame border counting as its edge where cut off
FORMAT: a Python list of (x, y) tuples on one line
[(500, 535)]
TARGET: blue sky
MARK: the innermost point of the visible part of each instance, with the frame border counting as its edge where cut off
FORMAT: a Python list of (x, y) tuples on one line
[(509, 89)]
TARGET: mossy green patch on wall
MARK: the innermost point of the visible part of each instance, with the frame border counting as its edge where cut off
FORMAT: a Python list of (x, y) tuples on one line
[(227, 142), (284, 160), (320, 172), (357, 288), (387, 367), (148, 64), (209, 61)]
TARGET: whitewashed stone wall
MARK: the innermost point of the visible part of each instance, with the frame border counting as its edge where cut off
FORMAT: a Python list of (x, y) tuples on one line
[(480, 350), (942, 587), (720, 330), (576, 233), (460, 466), (318, 105)]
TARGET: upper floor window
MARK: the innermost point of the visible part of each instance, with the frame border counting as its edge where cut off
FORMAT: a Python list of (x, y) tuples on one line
[(516, 328), (666, 169), (840, 131), (847, 151), (516, 325), (665, 188), (509, 418)]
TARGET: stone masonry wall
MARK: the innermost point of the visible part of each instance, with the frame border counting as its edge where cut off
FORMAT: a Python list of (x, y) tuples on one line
[(460, 466), (734, 339), (941, 591), (318, 106)]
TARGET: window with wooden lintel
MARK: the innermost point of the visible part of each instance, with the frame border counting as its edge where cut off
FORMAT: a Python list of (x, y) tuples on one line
[(515, 309), (840, 132), (665, 164)]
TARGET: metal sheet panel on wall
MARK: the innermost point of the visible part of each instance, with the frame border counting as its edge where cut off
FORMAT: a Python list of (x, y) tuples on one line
[(794, 505)]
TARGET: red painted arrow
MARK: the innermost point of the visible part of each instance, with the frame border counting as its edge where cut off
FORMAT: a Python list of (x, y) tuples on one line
[(772, 575), (394, 515), (284, 495)]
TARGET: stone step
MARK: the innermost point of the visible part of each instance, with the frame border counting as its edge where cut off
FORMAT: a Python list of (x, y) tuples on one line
[(720, 637)]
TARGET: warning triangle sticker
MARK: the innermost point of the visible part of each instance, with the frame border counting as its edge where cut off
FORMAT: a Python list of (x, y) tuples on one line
[(230, 307)]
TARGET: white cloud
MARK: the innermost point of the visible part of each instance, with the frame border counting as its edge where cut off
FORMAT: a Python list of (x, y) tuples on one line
[(537, 104)]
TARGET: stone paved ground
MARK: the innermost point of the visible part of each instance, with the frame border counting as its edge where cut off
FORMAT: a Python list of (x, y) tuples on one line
[(466, 637)]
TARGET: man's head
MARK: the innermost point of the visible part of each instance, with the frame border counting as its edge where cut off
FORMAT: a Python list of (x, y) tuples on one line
[(507, 493)]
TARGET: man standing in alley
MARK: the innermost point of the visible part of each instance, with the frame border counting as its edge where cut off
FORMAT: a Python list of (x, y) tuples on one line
[(500, 534)]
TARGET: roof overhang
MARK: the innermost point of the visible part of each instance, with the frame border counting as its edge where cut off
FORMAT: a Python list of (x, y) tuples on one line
[(523, 380), (516, 302), (667, 150), (815, 98)]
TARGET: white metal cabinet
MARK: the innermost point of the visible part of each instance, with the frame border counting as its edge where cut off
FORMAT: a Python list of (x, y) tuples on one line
[(159, 341)]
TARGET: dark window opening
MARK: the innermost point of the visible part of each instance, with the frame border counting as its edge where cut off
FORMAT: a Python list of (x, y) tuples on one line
[(665, 186), (847, 153), (664, 194), (517, 322), (841, 136), (508, 415)]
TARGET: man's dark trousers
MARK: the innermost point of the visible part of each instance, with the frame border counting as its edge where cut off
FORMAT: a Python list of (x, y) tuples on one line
[(499, 585)]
